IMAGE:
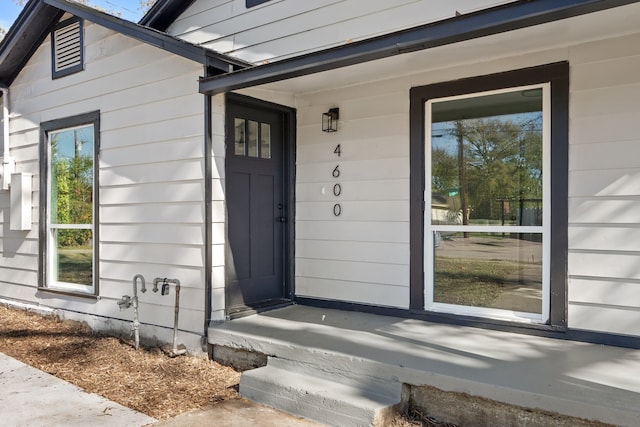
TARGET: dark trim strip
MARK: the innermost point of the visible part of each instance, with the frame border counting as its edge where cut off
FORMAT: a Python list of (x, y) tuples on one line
[(252, 3), (509, 17), (558, 75), (208, 216), (36, 20), (60, 292), (603, 338)]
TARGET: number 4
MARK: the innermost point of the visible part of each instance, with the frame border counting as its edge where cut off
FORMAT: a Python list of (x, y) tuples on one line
[(337, 151)]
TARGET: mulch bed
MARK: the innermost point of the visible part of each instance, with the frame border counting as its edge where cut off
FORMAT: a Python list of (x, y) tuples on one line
[(146, 380)]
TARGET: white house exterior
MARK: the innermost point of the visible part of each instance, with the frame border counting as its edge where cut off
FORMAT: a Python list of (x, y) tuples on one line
[(373, 254), (149, 170), (341, 222)]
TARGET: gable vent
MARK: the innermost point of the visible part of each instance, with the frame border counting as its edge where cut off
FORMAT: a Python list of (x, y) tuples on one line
[(67, 48)]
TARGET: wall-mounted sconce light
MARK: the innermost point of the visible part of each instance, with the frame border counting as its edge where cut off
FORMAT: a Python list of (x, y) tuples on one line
[(330, 120)]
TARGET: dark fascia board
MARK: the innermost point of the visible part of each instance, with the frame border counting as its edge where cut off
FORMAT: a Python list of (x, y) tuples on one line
[(151, 36), (508, 17), (164, 12), (31, 27), (38, 17)]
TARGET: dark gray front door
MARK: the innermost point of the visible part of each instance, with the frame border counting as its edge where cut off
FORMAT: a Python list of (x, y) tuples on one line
[(255, 194)]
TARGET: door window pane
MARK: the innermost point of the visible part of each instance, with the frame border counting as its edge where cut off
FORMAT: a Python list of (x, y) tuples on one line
[(239, 137), (252, 142), (265, 140)]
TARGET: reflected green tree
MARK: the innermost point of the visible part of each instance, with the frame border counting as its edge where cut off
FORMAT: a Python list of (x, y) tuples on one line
[(489, 161), (72, 190)]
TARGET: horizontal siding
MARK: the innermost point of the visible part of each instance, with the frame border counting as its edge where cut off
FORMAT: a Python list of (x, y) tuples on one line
[(396, 277), (282, 28), (342, 290), (362, 255), (604, 187), (362, 231), (601, 318), (605, 291), (373, 230), (151, 172)]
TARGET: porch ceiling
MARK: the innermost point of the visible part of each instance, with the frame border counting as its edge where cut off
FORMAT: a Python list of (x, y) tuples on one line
[(608, 23)]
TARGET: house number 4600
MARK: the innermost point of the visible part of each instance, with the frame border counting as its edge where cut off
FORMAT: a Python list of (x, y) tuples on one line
[(337, 188)]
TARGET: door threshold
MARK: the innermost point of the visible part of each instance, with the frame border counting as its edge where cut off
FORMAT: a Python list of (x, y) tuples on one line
[(261, 307)]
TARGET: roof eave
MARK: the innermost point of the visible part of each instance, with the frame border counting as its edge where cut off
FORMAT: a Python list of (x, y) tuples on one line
[(508, 17), (151, 36), (17, 47), (164, 12)]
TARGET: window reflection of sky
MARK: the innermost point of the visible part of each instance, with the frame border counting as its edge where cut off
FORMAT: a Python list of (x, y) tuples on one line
[(443, 134), (65, 142)]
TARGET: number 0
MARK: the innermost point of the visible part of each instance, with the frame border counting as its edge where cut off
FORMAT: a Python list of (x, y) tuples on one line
[(337, 190), (337, 209)]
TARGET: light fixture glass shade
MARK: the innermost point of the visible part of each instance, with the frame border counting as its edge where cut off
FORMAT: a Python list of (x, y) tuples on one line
[(330, 120)]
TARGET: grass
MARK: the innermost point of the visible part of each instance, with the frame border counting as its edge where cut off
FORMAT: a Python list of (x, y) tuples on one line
[(75, 265), (476, 283)]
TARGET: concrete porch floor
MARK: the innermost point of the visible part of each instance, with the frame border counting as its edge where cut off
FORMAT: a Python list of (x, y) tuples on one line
[(571, 378)]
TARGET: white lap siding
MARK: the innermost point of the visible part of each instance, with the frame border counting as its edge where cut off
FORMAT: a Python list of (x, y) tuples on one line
[(604, 186), (362, 255), (282, 28), (151, 174)]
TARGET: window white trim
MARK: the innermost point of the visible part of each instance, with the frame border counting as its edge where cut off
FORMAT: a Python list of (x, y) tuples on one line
[(48, 228), (544, 230)]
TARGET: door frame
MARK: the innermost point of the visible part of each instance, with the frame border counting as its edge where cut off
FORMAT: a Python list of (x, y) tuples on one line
[(288, 115)]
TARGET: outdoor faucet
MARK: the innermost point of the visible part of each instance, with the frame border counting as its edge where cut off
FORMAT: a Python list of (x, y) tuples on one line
[(128, 301), (125, 302), (143, 288), (156, 281)]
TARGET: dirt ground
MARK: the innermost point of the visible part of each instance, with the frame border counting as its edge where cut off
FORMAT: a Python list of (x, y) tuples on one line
[(146, 380)]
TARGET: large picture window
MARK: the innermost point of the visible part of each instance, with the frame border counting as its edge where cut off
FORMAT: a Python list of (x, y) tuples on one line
[(69, 229), (489, 166), (486, 236)]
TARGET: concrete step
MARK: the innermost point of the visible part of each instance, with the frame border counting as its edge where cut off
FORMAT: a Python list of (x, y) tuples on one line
[(355, 374), (303, 392)]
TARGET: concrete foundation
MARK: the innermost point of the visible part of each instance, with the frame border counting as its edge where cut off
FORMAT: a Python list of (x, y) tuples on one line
[(241, 360), (465, 410)]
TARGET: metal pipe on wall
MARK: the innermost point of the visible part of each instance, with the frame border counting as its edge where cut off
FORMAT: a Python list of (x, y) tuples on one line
[(5, 122)]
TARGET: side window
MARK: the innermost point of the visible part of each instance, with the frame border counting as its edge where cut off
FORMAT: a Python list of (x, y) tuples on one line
[(251, 3), (67, 56), (68, 233)]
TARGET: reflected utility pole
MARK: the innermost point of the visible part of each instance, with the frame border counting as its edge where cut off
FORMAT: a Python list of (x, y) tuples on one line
[(462, 174)]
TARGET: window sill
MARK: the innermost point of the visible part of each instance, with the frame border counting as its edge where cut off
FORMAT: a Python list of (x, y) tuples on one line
[(67, 292)]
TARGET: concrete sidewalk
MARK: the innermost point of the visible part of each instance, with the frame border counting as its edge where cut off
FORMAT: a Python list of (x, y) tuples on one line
[(30, 397)]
